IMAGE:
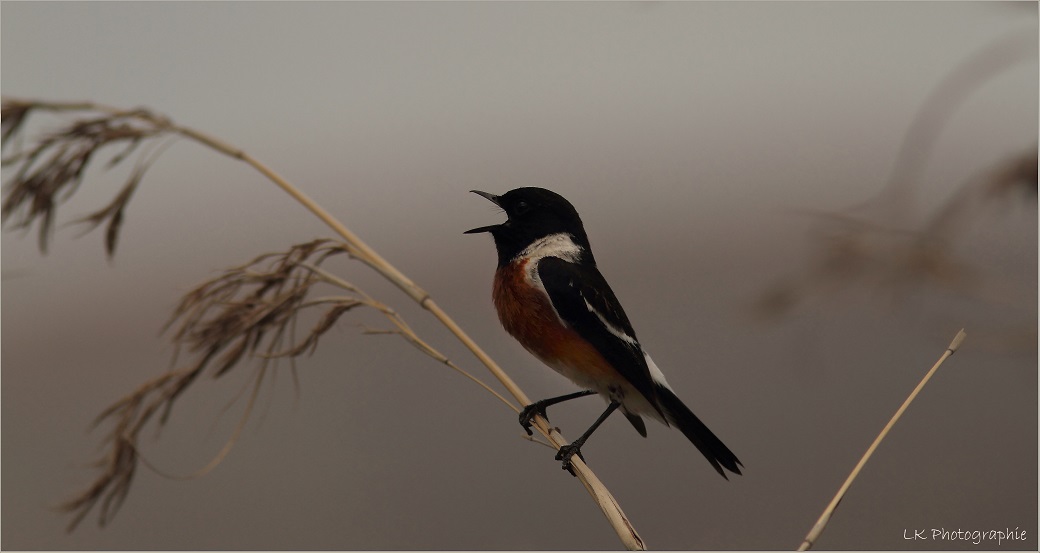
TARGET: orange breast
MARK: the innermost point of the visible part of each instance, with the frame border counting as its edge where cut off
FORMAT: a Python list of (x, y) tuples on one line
[(528, 316)]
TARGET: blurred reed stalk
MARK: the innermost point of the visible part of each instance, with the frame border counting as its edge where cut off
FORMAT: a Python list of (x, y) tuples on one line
[(821, 523), (248, 312), (877, 243)]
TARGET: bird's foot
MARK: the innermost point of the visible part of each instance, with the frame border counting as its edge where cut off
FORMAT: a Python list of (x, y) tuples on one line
[(566, 452), (528, 413)]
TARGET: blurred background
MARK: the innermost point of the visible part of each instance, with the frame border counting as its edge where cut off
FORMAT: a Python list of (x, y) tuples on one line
[(731, 162)]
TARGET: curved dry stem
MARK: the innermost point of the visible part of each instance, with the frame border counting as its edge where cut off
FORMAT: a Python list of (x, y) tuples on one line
[(38, 188), (405, 331), (940, 105), (856, 249)]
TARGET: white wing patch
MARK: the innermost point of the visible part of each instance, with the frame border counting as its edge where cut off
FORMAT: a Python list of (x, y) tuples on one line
[(562, 246), (610, 327), (655, 372)]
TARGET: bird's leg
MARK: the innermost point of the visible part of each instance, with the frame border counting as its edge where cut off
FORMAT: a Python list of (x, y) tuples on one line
[(574, 448), (538, 407)]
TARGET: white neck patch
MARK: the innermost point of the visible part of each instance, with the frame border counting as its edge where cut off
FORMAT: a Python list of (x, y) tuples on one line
[(559, 245)]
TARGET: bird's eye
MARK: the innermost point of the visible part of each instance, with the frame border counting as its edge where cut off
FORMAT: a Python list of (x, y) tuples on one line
[(521, 207)]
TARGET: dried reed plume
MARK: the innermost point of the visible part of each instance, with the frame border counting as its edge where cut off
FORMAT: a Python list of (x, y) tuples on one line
[(248, 313), (854, 249), (52, 170)]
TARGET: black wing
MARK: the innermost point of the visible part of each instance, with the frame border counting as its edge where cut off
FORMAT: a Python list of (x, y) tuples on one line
[(583, 298)]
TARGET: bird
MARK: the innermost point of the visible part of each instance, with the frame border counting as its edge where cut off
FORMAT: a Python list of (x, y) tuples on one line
[(551, 297)]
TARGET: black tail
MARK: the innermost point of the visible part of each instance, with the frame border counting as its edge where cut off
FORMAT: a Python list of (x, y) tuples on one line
[(713, 449)]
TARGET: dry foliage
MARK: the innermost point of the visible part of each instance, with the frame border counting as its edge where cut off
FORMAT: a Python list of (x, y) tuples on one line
[(50, 171), (247, 314), (854, 249)]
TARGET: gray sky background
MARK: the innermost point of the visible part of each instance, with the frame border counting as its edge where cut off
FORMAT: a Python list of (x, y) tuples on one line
[(690, 137)]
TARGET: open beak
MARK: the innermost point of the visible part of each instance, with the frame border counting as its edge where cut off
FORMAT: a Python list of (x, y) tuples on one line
[(494, 199)]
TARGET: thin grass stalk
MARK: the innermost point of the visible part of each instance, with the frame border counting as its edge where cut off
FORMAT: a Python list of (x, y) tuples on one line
[(821, 523), (362, 251), (403, 329), (599, 492), (604, 499)]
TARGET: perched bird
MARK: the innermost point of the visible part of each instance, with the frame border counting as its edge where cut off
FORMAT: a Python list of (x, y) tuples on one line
[(551, 297)]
